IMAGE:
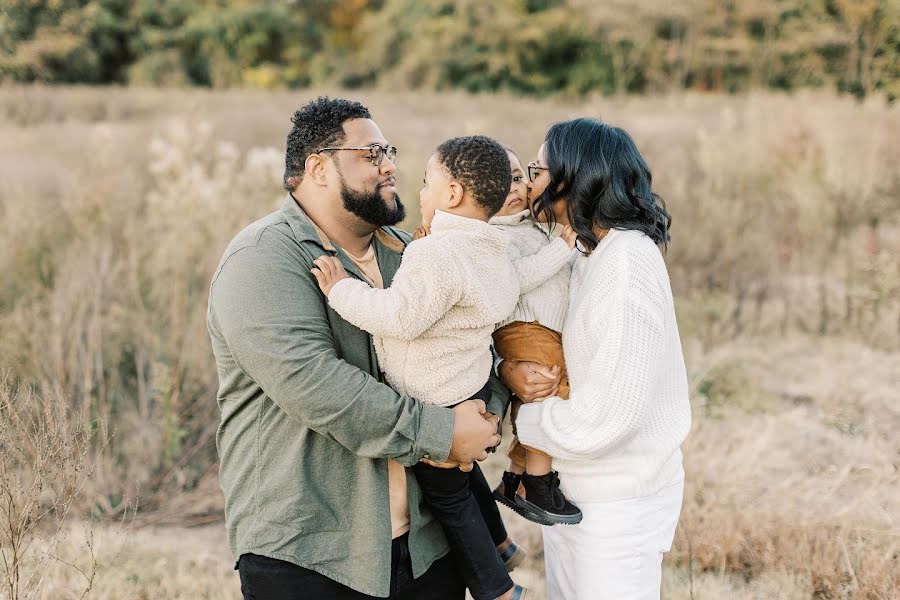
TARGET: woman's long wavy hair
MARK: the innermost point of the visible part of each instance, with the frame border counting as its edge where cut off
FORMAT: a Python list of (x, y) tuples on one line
[(605, 182)]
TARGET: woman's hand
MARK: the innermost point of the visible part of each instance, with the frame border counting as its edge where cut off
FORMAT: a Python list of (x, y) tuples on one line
[(328, 272), (530, 381), (421, 231)]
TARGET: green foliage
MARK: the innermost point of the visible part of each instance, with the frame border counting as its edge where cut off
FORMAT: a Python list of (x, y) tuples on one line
[(530, 47)]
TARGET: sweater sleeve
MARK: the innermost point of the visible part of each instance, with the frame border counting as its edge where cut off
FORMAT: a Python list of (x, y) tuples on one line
[(535, 269), (607, 409), (424, 288)]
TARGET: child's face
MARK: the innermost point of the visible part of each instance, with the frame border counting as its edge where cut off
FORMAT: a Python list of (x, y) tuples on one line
[(517, 199), (436, 192)]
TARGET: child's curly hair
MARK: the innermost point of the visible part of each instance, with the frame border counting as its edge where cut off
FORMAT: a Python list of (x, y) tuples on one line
[(481, 165)]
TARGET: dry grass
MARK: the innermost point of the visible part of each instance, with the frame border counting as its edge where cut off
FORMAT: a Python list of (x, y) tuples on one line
[(115, 205)]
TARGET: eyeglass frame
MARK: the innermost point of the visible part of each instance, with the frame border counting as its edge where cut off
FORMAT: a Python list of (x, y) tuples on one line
[(532, 167), (374, 157)]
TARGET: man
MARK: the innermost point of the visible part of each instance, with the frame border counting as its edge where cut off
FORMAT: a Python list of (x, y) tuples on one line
[(312, 445)]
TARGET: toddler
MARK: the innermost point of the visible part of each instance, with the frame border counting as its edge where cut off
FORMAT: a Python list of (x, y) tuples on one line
[(432, 327)]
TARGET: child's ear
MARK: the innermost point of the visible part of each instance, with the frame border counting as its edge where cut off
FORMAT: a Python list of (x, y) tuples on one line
[(456, 194)]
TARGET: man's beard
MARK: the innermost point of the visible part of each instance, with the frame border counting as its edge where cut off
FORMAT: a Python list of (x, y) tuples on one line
[(371, 207)]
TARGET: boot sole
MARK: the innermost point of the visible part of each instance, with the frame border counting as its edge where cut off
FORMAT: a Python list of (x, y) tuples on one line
[(548, 518), (522, 511)]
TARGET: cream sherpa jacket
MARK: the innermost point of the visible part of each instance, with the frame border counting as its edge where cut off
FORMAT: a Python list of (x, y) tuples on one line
[(544, 265), (432, 327)]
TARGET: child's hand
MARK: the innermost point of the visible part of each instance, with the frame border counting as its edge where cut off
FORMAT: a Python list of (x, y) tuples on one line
[(328, 272), (569, 236), (421, 231)]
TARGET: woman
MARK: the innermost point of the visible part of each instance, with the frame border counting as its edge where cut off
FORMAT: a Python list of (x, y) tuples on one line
[(616, 442)]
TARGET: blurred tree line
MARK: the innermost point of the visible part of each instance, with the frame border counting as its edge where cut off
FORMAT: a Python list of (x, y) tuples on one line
[(529, 47)]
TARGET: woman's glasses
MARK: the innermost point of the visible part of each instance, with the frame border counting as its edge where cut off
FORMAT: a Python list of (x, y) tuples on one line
[(377, 152), (534, 170)]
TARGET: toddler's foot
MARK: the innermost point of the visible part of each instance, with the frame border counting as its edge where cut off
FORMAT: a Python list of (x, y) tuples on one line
[(516, 593), (507, 493), (545, 500), (512, 556), (506, 490)]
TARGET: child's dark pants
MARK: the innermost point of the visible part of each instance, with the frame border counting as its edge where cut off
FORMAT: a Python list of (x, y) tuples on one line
[(463, 504)]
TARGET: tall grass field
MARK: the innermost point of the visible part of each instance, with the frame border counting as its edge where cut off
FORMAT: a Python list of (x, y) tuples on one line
[(116, 204)]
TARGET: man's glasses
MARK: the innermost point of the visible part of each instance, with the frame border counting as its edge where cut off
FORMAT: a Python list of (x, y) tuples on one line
[(534, 170), (377, 152)]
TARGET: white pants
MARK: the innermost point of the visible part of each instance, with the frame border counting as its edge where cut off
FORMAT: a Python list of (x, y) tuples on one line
[(616, 552)]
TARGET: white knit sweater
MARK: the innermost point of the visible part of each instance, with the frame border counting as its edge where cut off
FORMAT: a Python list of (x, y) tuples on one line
[(432, 327), (543, 265), (619, 434)]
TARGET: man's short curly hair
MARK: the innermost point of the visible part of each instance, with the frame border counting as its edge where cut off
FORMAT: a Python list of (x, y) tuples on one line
[(317, 125), (481, 165)]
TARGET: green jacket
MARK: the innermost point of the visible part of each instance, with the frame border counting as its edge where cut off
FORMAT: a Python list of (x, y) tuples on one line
[(307, 427)]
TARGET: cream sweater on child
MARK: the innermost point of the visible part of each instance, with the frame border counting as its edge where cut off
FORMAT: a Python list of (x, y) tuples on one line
[(432, 327), (544, 265), (619, 435)]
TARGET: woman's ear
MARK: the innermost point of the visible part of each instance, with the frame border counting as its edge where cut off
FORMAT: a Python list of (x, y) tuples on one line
[(315, 169), (457, 191)]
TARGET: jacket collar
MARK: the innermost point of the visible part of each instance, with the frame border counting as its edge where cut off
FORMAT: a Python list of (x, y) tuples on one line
[(306, 231), (516, 219), (388, 247)]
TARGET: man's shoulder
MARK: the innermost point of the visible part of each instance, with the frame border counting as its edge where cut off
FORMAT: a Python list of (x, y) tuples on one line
[(270, 236), (252, 234)]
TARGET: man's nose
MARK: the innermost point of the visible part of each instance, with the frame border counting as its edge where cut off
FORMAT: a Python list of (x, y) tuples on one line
[(387, 166)]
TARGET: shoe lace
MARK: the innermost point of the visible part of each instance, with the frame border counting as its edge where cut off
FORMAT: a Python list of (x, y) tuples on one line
[(557, 499)]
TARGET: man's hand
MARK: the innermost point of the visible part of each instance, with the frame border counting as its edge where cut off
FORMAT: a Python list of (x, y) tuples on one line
[(495, 419), (530, 381), (328, 272), (421, 231), (473, 432)]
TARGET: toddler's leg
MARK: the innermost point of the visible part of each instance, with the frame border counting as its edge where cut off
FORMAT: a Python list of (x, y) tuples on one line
[(481, 491), (516, 451), (517, 457), (449, 496), (536, 462)]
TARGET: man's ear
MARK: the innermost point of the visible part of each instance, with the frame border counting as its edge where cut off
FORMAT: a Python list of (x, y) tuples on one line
[(457, 191), (315, 169)]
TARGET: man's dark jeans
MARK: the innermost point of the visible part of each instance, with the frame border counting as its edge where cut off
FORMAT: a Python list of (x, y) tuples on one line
[(264, 578)]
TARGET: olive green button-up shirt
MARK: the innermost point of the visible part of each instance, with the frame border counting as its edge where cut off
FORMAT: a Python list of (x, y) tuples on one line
[(307, 427)]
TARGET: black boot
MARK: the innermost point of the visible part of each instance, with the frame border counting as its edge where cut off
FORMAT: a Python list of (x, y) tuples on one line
[(545, 500), (506, 493)]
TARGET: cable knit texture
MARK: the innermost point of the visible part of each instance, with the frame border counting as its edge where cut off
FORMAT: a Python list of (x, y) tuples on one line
[(432, 327), (543, 266), (619, 434)]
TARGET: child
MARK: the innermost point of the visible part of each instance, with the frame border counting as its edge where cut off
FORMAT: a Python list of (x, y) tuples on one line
[(432, 327), (531, 333)]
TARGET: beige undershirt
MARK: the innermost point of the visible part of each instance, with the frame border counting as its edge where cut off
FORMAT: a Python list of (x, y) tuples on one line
[(396, 473)]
